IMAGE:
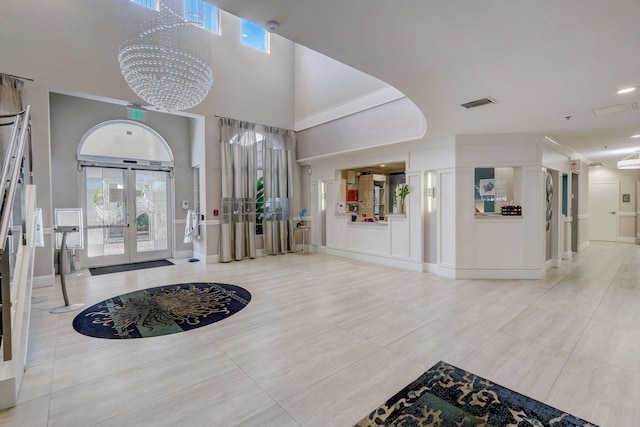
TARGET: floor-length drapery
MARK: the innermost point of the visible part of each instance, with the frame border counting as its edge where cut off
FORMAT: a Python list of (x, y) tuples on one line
[(277, 170), (238, 158), (249, 150)]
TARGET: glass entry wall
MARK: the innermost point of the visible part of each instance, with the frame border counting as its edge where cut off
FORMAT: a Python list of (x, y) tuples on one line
[(128, 215)]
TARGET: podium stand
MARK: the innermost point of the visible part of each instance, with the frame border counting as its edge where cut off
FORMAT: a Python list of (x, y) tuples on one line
[(62, 258)]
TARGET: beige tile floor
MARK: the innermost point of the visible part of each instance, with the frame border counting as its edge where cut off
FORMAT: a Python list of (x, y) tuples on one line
[(325, 340)]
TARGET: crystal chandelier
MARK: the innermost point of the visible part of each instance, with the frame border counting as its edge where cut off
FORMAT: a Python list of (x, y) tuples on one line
[(160, 62)]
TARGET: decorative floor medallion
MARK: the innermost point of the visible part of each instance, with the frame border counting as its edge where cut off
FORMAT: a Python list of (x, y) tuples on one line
[(161, 310)]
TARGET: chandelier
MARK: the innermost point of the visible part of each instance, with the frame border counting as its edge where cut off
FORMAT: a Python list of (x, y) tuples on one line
[(160, 60)]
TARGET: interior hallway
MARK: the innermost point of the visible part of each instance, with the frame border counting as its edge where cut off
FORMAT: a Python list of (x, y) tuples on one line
[(325, 340)]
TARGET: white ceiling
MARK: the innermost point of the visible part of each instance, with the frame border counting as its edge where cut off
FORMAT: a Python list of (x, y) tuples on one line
[(541, 60)]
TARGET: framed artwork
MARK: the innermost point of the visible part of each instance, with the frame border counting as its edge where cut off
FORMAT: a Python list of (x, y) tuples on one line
[(487, 187), (626, 198)]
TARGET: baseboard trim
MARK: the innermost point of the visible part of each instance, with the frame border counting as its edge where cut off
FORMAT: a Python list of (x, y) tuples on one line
[(429, 267), (499, 274), (183, 254), (626, 239), (583, 246), (43, 281), (389, 262)]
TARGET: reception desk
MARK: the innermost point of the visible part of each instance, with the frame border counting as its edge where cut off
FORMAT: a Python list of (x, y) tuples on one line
[(387, 241)]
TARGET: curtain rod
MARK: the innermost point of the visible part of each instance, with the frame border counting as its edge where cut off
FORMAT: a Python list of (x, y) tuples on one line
[(259, 124), (17, 77)]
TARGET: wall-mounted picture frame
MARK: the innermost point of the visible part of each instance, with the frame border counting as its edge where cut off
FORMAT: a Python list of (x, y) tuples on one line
[(626, 198), (487, 187)]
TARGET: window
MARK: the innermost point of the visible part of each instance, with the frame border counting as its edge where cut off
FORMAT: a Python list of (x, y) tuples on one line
[(151, 4), (202, 14), (198, 12), (255, 36)]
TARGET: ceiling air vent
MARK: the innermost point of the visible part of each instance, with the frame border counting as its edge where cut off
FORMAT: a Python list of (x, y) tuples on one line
[(614, 109), (479, 102)]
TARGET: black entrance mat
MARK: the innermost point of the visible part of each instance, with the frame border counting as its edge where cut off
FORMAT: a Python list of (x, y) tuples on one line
[(95, 271)]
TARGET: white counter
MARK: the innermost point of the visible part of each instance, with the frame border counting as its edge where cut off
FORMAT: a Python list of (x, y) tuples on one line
[(388, 238)]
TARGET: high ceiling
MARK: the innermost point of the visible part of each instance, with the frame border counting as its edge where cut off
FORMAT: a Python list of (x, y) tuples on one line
[(547, 63)]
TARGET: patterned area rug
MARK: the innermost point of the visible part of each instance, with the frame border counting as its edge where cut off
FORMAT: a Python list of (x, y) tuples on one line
[(449, 396), (161, 311)]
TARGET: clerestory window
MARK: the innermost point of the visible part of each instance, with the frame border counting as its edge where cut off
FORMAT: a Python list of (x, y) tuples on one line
[(199, 12), (255, 36)]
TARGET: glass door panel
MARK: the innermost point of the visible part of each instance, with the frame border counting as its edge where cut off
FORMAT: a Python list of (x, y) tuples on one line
[(106, 213), (151, 233), (128, 216)]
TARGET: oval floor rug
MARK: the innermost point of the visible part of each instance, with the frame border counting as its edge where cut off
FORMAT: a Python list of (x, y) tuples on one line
[(161, 310)]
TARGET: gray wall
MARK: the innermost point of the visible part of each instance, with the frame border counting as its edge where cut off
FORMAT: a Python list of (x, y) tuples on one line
[(71, 117)]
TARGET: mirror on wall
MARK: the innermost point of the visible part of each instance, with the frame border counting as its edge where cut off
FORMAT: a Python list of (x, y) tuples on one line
[(368, 191)]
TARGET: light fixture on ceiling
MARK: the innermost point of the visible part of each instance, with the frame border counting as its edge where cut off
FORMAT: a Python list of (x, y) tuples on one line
[(632, 161), (272, 26), (627, 90), (162, 61), (635, 136)]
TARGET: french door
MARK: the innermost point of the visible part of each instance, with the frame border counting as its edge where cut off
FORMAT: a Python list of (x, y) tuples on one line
[(128, 216)]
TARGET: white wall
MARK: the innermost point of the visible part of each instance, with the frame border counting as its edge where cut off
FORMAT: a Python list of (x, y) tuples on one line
[(628, 179), (418, 228), (496, 246), (71, 46), (327, 89), (394, 122)]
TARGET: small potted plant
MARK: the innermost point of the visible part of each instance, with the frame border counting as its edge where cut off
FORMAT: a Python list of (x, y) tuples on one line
[(302, 213), (400, 193)]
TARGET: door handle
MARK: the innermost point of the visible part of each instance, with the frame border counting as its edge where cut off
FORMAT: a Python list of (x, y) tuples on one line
[(612, 213)]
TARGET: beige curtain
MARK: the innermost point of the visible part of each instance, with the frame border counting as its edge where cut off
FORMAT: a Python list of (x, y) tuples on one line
[(238, 156), (10, 103), (245, 149), (277, 170)]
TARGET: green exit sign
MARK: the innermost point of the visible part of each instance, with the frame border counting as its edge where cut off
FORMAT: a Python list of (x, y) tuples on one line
[(136, 114)]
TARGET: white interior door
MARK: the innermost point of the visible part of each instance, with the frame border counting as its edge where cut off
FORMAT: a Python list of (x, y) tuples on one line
[(603, 211), (128, 215)]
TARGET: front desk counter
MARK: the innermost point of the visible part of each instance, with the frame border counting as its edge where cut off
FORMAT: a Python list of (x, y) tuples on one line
[(371, 237)]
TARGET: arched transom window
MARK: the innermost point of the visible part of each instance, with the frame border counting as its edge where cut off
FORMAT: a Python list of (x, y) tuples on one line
[(124, 142)]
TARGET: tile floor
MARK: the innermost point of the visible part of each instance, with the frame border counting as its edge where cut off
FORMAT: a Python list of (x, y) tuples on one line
[(325, 340)]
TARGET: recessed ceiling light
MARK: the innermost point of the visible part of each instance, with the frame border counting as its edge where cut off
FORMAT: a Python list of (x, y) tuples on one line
[(626, 90), (386, 165), (635, 136)]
